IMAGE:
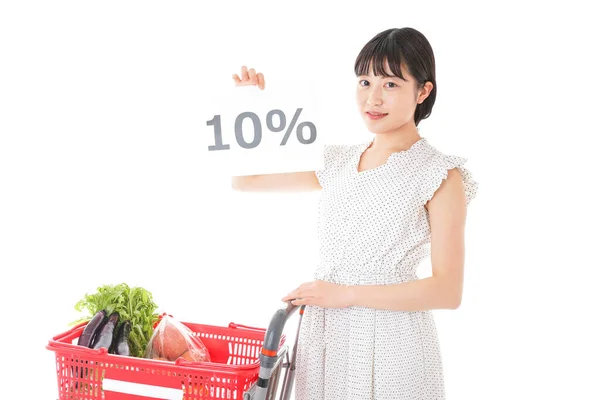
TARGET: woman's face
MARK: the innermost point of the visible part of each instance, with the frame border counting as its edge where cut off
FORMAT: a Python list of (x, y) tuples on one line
[(388, 103)]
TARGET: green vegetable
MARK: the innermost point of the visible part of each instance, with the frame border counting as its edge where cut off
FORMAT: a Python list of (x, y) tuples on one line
[(134, 304)]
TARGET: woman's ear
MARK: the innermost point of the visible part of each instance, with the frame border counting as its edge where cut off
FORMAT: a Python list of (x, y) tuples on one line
[(424, 92)]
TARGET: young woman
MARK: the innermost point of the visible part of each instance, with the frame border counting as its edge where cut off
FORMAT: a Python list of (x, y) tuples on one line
[(386, 204)]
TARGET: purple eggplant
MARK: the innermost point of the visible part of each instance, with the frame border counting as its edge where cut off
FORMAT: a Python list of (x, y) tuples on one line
[(86, 338), (104, 337), (121, 342), (90, 329)]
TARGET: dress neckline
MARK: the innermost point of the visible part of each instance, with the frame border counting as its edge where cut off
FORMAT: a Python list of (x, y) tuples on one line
[(365, 145)]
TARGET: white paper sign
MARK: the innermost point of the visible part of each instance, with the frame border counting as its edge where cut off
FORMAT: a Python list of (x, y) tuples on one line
[(248, 131)]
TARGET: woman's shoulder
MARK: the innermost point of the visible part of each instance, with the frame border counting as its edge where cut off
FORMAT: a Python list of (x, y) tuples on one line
[(339, 148), (335, 157), (336, 153), (432, 156), (435, 167)]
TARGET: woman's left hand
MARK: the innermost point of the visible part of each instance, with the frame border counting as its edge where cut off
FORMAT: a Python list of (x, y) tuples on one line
[(321, 294)]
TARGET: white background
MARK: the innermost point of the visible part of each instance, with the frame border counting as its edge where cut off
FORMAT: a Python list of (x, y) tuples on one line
[(102, 176)]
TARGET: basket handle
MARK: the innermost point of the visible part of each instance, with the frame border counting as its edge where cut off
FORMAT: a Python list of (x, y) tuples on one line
[(213, 366), (71, 332), (58, 341), (233, 325), (53, 345)]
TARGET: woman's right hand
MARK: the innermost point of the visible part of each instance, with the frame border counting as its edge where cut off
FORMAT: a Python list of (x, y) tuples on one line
[(249, 77)]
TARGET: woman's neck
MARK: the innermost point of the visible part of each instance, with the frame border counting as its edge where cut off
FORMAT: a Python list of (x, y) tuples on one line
[(399, 140)]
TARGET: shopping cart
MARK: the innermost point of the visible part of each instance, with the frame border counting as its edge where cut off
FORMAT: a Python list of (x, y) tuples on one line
[(246, 364)]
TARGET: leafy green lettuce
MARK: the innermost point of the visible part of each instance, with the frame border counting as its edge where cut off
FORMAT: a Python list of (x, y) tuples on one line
[(132, 303)]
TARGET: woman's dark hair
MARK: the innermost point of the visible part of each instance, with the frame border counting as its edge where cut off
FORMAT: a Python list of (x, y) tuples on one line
[(398, 46)]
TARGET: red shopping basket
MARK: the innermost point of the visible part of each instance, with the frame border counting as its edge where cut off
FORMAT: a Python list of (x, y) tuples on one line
[(84, 373)]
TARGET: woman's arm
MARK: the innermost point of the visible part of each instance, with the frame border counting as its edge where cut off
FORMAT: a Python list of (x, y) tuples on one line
[(282, 182), (443, 290)]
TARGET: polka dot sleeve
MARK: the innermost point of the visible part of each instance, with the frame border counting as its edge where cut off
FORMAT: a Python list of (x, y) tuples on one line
[(438, 171), (332, 155)]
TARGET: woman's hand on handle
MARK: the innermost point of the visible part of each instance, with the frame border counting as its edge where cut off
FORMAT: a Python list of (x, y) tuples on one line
[(249, 77), (321, 294)]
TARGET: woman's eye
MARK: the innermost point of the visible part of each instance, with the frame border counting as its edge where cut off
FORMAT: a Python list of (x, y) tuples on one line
[(363, 82), (393, 84)]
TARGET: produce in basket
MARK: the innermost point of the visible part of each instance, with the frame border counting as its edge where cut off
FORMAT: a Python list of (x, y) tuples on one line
[(133, 304), (104, 337), (87, 337), (121, 342), (172, 339)]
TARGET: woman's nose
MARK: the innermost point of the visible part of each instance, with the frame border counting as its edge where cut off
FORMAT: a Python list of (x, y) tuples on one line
[(374, 98)]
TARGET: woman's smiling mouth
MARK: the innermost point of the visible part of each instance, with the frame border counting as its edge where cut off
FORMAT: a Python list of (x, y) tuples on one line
[(375, 115)]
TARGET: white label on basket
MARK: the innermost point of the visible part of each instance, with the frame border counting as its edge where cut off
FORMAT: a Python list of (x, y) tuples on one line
[(140, 389)]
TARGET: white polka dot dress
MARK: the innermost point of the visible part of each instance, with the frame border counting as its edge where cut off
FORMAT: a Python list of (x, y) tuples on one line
[(374, 230)]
